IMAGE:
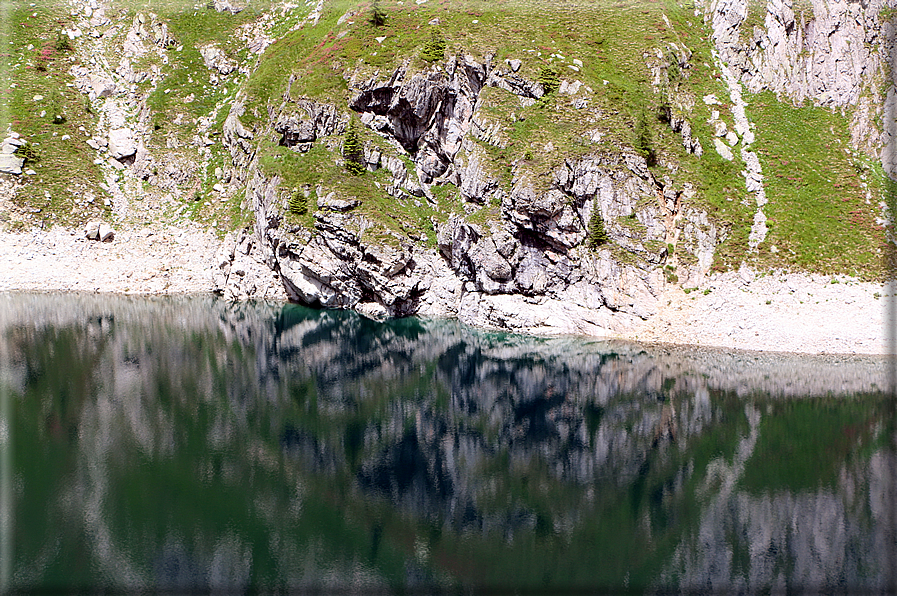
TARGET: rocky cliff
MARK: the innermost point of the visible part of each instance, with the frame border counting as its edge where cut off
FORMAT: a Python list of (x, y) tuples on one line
[(547, 181), (527, 267)]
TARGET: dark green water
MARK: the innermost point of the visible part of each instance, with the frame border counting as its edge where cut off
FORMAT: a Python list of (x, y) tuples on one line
[(195, 445)]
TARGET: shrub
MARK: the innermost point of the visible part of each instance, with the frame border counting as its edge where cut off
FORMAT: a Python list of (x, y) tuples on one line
[(62, 43), (434, 49), (352, 149), (297, 203), (550, 79), (597, 234), (30, 152)]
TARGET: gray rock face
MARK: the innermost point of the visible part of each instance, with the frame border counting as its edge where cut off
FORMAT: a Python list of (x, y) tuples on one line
[(241, 271), (307, 122), (238, 140), (428, 114), (526, 269), (831, 53)]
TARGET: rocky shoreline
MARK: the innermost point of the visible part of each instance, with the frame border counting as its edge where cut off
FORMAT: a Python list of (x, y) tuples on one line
[(800, 313)]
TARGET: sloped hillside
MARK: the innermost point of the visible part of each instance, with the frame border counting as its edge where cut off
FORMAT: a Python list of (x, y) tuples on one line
[(498, 161)]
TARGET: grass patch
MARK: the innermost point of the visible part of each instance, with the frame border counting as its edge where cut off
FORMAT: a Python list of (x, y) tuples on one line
[(817, 213), (48, 114)]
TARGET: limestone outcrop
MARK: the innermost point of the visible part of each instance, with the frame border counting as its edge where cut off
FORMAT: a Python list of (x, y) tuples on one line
[(833, 53), (527, 268)]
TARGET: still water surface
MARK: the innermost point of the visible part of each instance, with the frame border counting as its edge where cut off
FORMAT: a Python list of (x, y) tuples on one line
[(191, 444)]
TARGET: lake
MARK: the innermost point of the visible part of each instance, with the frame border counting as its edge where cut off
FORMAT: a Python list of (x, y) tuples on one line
[(191, 444)]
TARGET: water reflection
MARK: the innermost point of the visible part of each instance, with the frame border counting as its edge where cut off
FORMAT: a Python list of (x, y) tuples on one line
[(194, 444)]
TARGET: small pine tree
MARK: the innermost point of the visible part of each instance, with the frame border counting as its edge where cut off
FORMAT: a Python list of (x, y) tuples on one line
[(352, 149), (597, 234), (434, 49), (297, 203), (378, 15), (644, 142), (550, 79)]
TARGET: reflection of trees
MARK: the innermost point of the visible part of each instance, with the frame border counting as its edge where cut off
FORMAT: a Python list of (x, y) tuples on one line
[(302, 448)]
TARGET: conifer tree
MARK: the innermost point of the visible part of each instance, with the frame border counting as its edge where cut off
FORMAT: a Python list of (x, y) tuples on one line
[(597, 234), (644, 142), (378, 15), (352, 149)]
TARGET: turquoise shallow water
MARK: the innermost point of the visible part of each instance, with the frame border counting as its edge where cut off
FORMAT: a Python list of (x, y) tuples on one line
[(189, 444)]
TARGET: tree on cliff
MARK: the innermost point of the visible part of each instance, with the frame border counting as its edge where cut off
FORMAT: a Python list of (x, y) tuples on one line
[(352, 149), (644, 141), (597, 234)]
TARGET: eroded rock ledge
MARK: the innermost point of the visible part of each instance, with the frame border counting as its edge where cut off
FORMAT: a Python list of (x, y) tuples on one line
[(527, 267)]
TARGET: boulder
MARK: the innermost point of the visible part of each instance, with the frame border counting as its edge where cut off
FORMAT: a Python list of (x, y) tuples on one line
[(226, 6), (215, 59), (106, 233), (101, 87), (122, 143), (92, 230), (10, 164)]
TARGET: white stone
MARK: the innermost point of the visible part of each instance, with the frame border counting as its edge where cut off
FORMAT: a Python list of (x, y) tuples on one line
[(101, 87), (106, 233), (10, 164), (731, 138), (92, 229), (121, 143), (722, 149)]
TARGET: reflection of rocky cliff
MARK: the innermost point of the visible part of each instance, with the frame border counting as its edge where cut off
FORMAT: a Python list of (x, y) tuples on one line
[(470, 431), (751, 543)]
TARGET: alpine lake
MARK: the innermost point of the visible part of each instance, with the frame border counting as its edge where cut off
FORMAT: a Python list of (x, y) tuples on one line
[(192, 445)]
